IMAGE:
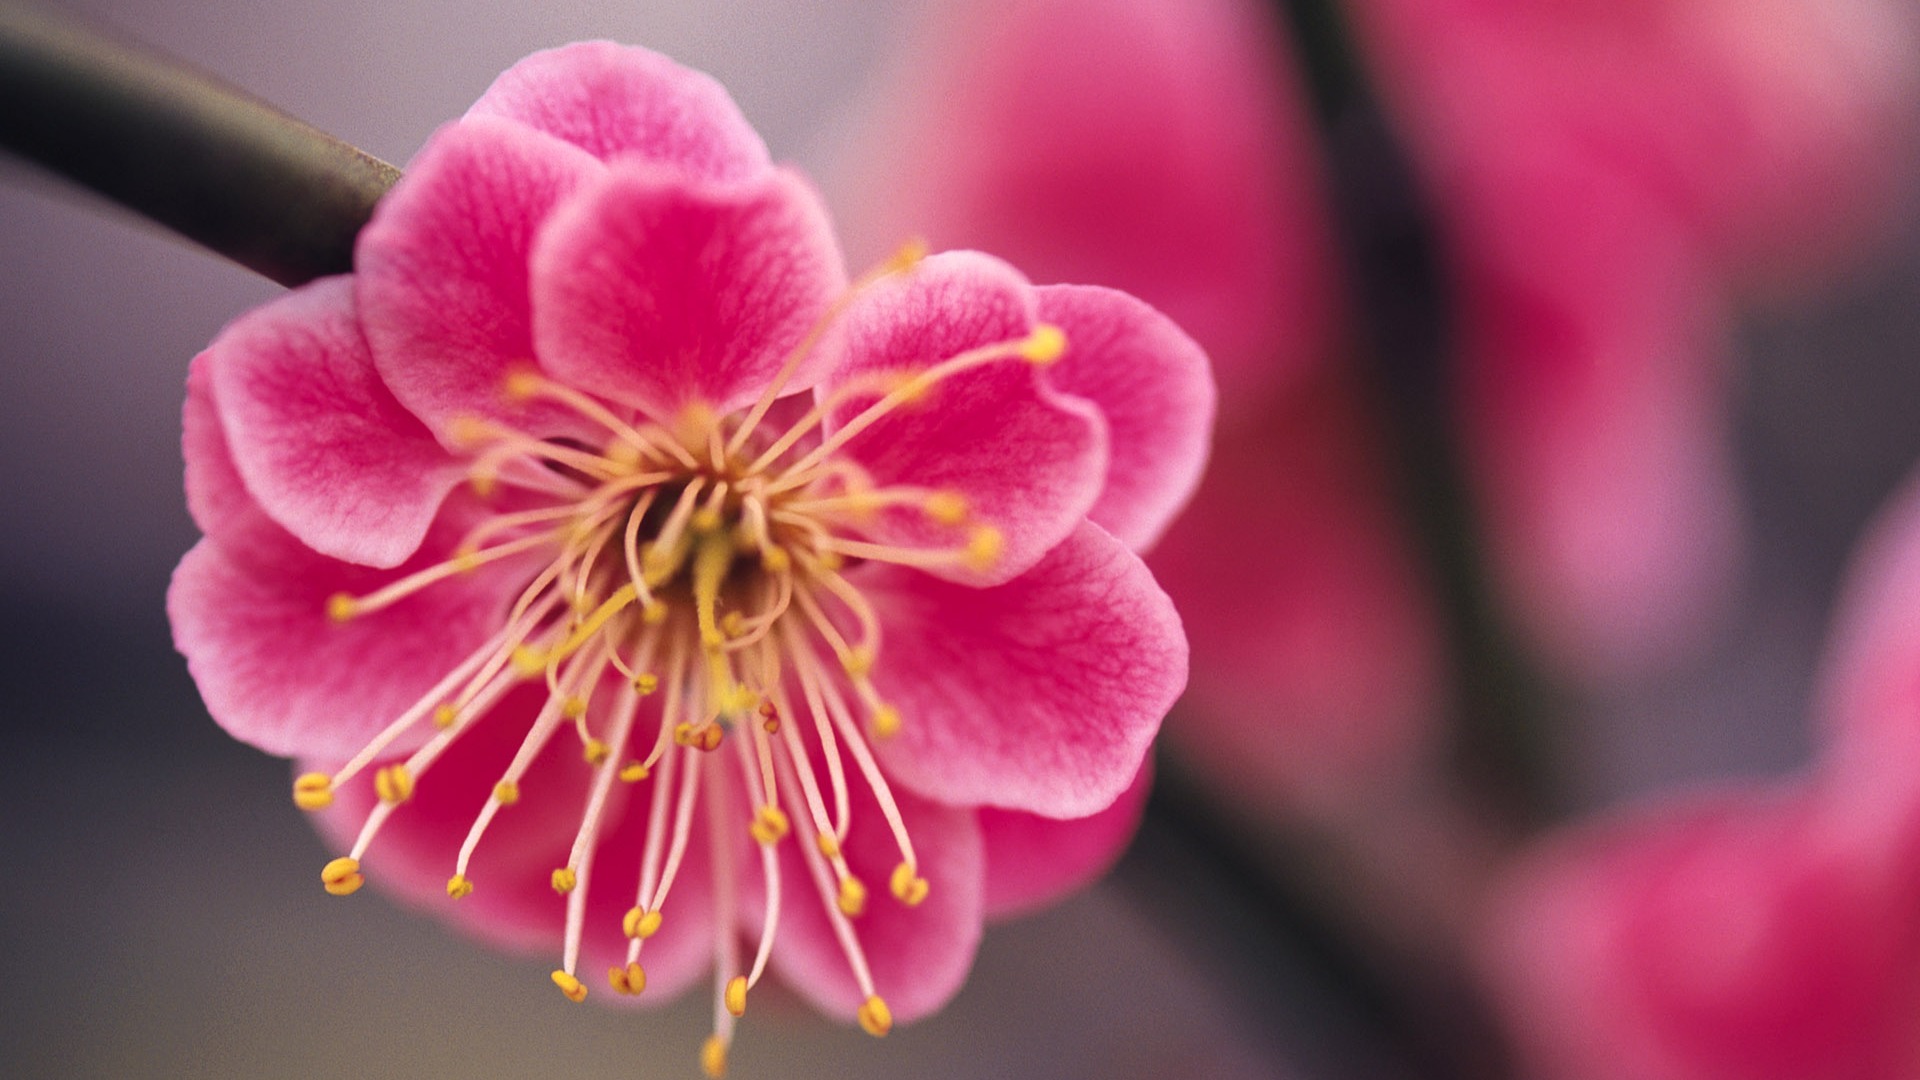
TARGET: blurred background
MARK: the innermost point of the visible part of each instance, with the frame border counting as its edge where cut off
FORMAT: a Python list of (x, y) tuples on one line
[(163, 918)]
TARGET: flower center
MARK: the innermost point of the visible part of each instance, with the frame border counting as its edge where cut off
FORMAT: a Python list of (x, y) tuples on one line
[(702, 563)]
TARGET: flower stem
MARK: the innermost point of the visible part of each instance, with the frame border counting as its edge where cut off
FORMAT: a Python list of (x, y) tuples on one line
[(1406, 344), (220, 168)]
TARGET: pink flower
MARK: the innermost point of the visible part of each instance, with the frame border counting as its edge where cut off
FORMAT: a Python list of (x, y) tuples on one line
[(1755, 931), (598, 531), (1609, 176), (1167, 153)]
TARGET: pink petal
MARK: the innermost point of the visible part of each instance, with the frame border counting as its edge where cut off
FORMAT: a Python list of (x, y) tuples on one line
[(1152, 385), (513, 903), (1038, 695), (441, 271), (1717, 938), (1167, 153), (1594, 418), (278, 673), (661, 291), (321, 443), (919, 955), (1028, 460), (216, 496), (1316, 657), (1034, 861), (617, 101), (1870, 688)]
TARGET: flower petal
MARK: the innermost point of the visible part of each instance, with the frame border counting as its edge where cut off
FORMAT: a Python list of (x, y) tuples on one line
[(216, 495), (1041, 694), (321, 443), (1033, 861), (659, 291), (278, 673), (441, 270), (1027, 459), (918, 955), (1152, 385), (615, 101), (1722, 935), (513, 902)]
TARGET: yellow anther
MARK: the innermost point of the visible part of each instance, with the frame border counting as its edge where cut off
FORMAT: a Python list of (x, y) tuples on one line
[(886, 722), (629, 980), (829, 845), (736, 995), (853, 897), (529, 661), (468, 431), (984, 547), (575, 990), (481, 481), (458, 887), (775, 560), (393, 784), (313, 791), (907, 256), (1045, 344), (640, 923), (341, 607), (769, 826), (465, 562), (946, 507), (646, 682), (596, 752), (445, 715), (733, 624), (506, 793), (875, 1018), (624, 454), (683, 733), (633, 772), (574, 708), (653, 613), (713, 1058), (522, 384), (709, 737), (342, 876), (564, 879), (908, 887), (706, 520), (858, 661)]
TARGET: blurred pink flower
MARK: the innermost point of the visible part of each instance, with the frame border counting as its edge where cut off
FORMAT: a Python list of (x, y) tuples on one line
[(599, 439), (1166, 152), (1753, 932), (1609, 173)]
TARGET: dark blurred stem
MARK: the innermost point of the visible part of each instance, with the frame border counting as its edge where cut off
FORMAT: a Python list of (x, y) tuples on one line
[(1406, 343), (220, 168)]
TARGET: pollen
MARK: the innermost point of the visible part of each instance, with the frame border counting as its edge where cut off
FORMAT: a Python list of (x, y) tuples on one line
[(341, 607), (713, 1058), (858, 662), (313, 791), (506, 793), (564, 879), (908, 886), (769, 825), (445, 715), (641, 924), (633, 772), (984, 546), (886, 722), (596, 752), (394, 784), (736, 995), (629, 980), (828, 844), (875, 1018), (853, 897), (522, 384), (946, 507), (575, 990), (458, 887), (646, 683), (342, 876), (1044, 345)]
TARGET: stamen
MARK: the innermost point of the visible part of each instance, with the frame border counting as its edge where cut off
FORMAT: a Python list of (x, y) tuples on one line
[(342, 607), (342, 876), (575, 990), (524, 383)]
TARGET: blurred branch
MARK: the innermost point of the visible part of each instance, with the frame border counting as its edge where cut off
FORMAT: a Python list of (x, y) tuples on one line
[(1406, 342), (222, 169)]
